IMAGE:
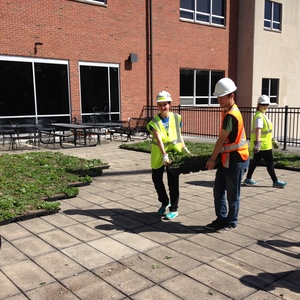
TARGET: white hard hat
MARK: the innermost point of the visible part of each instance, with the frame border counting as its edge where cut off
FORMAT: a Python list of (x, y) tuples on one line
[(163, 96), (263, 99), (224, 86)]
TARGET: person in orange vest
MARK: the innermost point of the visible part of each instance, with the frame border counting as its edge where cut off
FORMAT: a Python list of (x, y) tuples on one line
[(165, 129), (232, 149)]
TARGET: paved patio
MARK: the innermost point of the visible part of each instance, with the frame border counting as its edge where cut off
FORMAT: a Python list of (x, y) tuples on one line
[(109, 243)]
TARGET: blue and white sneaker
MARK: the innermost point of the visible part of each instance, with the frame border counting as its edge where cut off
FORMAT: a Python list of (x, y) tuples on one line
[(162, 210), (250, 182), (171, 215), (279, 184)]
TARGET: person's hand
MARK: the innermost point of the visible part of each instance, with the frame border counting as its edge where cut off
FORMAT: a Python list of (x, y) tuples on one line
[(210, 164), (256, 147), (165, 159), (186, 150), (275, 143)]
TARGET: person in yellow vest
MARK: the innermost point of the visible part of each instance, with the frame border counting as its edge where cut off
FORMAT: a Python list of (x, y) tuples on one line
[(232, 148), (262, 142), (165, 129)]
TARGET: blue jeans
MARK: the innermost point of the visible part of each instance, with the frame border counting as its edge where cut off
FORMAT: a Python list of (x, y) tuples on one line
[(228, 183)]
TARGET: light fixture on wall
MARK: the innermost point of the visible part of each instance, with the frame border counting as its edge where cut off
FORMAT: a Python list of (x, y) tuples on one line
[(35, 46), (133, 57)]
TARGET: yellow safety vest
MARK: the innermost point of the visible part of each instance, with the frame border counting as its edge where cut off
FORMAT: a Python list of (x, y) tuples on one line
[(240, 144), (170, 139), (266, 132)]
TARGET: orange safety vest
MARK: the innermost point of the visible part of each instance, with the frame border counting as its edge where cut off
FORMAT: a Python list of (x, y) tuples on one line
[(240, 144)]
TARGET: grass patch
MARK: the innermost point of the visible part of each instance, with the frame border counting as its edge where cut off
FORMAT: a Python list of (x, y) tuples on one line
[(202, 151), (28, 180)]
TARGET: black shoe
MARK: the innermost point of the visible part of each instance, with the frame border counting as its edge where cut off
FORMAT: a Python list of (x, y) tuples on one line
[(215, 225), (227, 228)]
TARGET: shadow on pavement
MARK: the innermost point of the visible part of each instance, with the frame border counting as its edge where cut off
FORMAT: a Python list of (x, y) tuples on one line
[(133, 221), (277, 244), (289, 281), (201, 183)]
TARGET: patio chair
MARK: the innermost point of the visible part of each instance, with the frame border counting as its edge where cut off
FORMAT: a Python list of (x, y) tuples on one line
[(26, 130), (6, 131)]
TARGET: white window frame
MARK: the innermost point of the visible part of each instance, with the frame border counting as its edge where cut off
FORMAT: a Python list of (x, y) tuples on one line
[(40, 60), (191, 100), (210, 15), (272, 21), (95, 2), (107, 65), (271, 96)]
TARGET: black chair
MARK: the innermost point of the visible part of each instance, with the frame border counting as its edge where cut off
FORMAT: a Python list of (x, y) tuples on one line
[(26, 130), (6, 131), (46, 132)]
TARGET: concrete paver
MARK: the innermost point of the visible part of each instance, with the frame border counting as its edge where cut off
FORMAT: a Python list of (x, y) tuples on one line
[(109, 242)]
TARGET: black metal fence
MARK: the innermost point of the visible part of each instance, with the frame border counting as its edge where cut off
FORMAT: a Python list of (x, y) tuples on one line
[(205, 121)]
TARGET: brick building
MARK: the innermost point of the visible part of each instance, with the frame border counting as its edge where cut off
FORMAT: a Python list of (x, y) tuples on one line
[(63, 58), (72, 58)]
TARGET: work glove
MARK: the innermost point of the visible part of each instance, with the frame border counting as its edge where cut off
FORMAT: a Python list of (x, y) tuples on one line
[(275, 144), (256, 147), (186, 150), (165, 159)]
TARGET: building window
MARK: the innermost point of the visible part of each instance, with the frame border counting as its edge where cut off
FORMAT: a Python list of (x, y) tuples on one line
[(270, 87), (34, 88), (203, 11), (99, 85), (197, 87), (272, 18)]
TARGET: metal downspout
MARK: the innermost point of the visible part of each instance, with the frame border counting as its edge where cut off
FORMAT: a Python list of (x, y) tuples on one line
[(151, 58)]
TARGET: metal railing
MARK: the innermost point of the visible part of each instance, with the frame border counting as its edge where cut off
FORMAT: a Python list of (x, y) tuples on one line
[(205, 121)]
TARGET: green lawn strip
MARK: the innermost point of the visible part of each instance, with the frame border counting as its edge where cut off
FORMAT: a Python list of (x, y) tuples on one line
[(28, 180), (202, 151)]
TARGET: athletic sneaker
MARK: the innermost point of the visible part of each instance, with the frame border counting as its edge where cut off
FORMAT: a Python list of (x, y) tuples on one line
[(279, 184), (162, 210), (250, 182), (215, 225), (172, 215), (227, 228)]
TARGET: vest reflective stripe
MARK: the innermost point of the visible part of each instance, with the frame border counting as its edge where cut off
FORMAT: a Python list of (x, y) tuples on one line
[(171, 141), (240, 144), (266, 132)]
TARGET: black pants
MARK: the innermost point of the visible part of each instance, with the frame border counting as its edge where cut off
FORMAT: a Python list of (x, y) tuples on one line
[(267, 155), (173, 183)]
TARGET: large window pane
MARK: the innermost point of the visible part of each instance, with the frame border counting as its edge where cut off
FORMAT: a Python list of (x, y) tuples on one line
[(100, 90), (277, 13), (186, 15), (51, 88), (268, 10), (202, 83), (215, 77), (187, 4), (114, 89), (218, 8), (16, 89), (94, 89), (203, 6), (186, 82)]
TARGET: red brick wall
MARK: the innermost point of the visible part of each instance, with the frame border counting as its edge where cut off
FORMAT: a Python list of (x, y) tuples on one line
[(77, 31)]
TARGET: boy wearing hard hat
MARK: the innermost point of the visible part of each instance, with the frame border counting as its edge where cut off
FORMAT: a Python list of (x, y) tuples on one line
[(165, 129), (232, 148), (262, 142)]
